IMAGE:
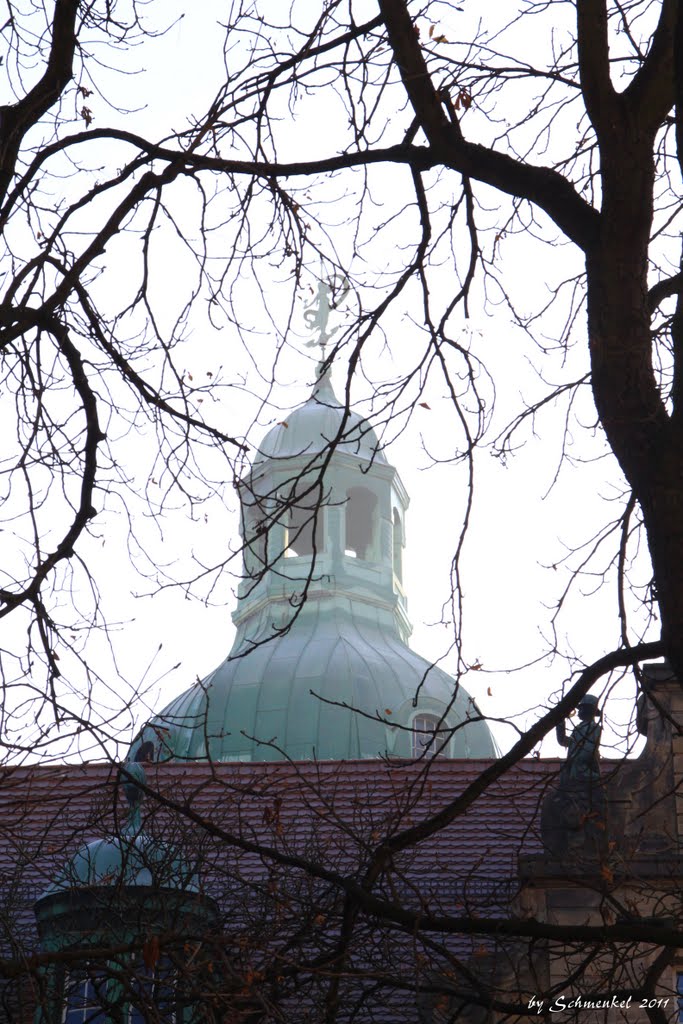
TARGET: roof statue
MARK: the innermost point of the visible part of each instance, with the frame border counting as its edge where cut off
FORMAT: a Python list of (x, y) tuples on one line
[(573, 813), (583, 746), (320, 667)]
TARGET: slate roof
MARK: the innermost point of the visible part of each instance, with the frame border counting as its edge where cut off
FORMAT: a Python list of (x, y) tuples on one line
[(333, 813), (332, 810)]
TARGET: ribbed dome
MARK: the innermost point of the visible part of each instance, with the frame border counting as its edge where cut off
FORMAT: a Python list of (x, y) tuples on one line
[(284, 697), (310, 429), (131, 859)]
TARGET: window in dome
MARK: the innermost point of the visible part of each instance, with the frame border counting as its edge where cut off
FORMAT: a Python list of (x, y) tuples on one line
[(360, 524), (428, 737), (304, 532), (398, 546)]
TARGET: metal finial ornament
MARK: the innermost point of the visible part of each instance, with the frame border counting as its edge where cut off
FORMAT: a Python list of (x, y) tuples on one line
[(329, 295), (134, 793)]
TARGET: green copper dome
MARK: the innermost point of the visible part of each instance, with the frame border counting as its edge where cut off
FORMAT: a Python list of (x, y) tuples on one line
[(128, 860), (134, 896), (128, 857), (292, 697), (320, 667), (316, 424)]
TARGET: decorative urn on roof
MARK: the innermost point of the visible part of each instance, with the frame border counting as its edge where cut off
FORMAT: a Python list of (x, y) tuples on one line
[(320, 667)]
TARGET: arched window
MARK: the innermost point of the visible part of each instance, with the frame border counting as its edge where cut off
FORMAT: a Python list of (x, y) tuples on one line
[(398, 546), (255, 539), (360, 522), (304, 530), (429, 738)]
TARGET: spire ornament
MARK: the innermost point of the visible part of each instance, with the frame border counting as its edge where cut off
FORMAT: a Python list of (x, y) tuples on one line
[(330, 293), (134, 793)]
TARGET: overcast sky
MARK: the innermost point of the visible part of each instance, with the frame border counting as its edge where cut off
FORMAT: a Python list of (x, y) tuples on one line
[(525, 517)]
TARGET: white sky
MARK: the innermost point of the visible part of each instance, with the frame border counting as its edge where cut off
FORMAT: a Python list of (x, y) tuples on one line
[(520, 524)]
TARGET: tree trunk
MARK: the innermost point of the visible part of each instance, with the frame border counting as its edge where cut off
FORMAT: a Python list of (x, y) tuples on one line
[(639, 428)]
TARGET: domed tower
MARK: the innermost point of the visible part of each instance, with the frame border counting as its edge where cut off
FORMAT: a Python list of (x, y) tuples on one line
[(122, 917), (320, 667)]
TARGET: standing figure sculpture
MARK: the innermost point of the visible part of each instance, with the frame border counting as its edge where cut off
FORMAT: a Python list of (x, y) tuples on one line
[(573, 814), (583, 746), (330, 294)]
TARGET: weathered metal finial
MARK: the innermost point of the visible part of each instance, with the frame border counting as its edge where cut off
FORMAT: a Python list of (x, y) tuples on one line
[(329, 295), (135, 773)]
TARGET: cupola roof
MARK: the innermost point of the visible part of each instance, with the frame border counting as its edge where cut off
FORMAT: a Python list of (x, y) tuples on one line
[(126, 860), (320, 422)]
